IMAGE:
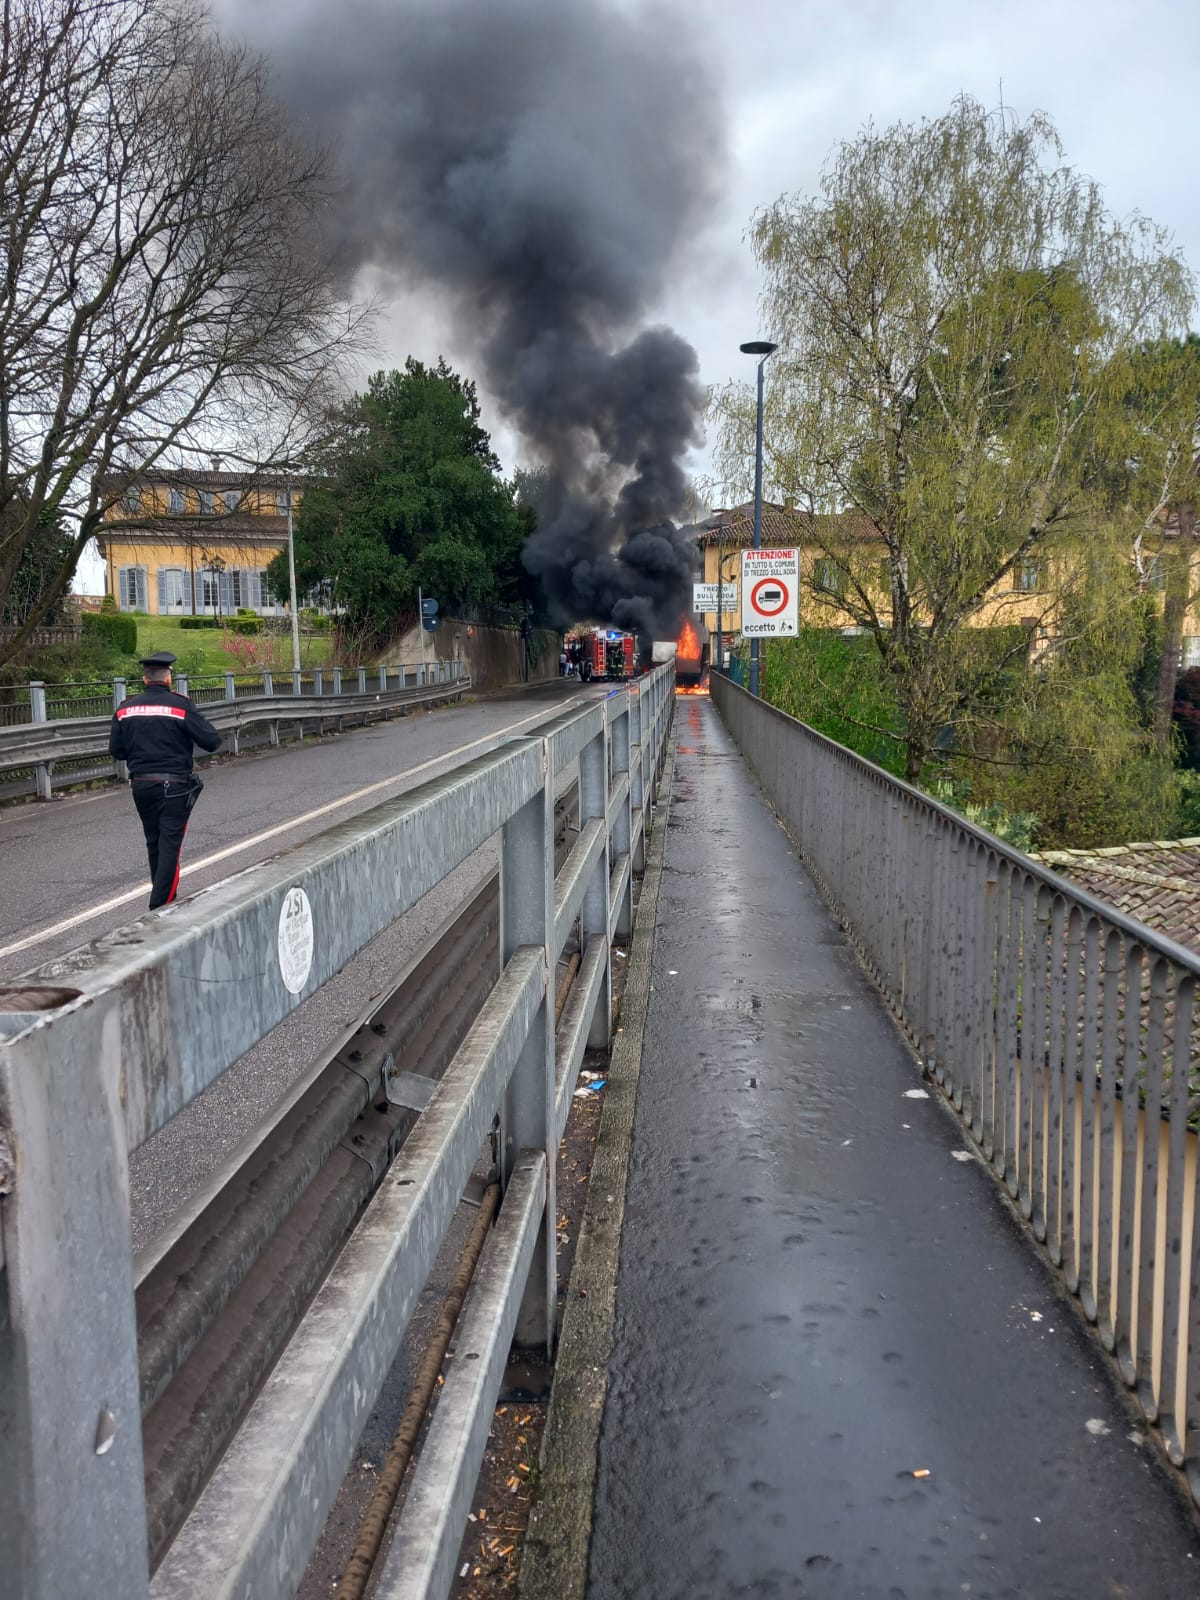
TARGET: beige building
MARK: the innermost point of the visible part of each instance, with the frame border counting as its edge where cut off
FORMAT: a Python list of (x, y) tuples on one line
[(197, 544), (1026, 598)]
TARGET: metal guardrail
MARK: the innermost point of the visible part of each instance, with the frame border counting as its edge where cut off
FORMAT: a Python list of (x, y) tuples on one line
[(38, 745), (1063, 1032), (102, 1048)]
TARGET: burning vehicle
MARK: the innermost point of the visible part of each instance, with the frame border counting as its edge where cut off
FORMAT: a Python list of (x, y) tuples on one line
[(689, 652)]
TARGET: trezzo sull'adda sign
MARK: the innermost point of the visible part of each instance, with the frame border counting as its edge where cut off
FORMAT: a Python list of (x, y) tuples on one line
[(770, 594)]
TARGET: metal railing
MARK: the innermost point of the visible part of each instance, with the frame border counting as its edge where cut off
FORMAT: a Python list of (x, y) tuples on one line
[(1064, 1033), (100, 1049), (54, 748)]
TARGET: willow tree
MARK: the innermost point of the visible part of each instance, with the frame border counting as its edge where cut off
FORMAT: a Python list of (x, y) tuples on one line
[(956, 315)]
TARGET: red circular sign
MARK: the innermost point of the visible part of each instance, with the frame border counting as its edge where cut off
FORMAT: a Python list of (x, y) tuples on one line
[(769, 583)]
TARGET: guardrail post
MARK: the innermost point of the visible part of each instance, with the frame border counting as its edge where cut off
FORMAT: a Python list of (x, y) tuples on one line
[(230, 687), (318, 681), (268, 683), (337, 680), (362, 680), (593, 801), (637, 733), (622, 832), (72, 1501), (527, 918), (383, 679), (37, 713), (181, 682), (118, 696), (296, 685)]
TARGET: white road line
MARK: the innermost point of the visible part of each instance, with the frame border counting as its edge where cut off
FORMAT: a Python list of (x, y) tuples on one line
[(143, 889)]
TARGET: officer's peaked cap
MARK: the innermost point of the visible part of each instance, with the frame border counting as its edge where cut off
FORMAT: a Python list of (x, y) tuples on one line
[(161, 658)]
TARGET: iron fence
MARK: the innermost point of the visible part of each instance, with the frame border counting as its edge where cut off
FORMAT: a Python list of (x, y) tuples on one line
[(101, 1048), (34, 761), (1064, 1033)]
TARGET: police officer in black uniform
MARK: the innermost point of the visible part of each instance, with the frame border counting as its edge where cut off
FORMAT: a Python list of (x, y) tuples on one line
[(153, 733)]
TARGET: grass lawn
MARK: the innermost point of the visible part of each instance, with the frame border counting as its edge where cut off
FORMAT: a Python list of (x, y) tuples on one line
[(200, 650)]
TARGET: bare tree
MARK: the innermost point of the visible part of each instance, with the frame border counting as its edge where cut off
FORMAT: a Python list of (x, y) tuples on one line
[(165, 282)]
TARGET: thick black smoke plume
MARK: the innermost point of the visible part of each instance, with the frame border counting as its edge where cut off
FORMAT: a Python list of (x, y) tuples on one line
[(541, 165)]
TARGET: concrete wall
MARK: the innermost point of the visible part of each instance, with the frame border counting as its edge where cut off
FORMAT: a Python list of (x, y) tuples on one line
[(495, 657)]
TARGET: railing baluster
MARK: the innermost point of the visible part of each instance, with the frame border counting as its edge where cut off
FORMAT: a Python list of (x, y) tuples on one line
[(1177, 1354), (1073, 1045), (1056, 1087), (1138, 1366)]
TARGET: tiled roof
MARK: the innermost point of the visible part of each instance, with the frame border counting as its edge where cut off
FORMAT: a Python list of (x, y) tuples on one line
[(1158, 883), (785, 526)]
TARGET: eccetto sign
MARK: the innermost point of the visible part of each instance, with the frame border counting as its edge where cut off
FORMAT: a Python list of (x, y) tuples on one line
[(770, 593)]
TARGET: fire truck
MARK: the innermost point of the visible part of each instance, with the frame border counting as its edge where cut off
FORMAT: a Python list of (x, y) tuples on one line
[(606, 653)]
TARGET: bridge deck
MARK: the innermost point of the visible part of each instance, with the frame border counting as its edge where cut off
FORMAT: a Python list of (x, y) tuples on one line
[(838, 1367)]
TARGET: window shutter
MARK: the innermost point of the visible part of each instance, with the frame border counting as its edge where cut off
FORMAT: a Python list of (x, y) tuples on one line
[(187, 589), (225, 580), (256, 587), (247, 596), (142, 589), (122, 589), (162, 591)]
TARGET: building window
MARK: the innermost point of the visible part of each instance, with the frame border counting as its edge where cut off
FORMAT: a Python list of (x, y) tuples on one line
[(231, 500), (268, 601), (176, 501), (282, 496), (208, 502), (131, 588), (211, 590), (1027, 575), (132, 500), (237, 596), (1156, 573), (830, 576), (1191, 650), (172, 592)]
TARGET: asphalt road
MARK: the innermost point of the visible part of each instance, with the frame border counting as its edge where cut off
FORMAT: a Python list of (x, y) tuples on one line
[(73, 869)]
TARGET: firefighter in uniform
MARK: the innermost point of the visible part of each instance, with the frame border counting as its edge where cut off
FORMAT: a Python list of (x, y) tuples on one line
[(153, 733)]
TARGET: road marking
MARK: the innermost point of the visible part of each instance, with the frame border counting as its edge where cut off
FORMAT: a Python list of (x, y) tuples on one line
[(270, 833)]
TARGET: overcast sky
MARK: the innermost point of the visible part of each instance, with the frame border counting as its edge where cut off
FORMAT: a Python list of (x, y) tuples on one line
[(797, 76), (800, 75)]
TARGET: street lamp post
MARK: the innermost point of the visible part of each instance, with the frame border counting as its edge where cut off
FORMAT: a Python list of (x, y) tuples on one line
[(216, 566), (720, 598), (292, 582), (763, 349)]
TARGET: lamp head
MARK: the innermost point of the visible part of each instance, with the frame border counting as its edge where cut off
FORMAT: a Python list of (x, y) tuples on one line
[(758, 347)]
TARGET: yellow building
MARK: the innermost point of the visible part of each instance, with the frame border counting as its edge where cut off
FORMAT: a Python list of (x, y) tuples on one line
[(1026, 598), (197, 543)]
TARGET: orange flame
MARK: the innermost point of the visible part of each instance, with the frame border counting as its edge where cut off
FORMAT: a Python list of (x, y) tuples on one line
[(688, 645)]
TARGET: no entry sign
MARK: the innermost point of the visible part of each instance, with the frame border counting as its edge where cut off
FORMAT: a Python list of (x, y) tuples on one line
[(770, 585)]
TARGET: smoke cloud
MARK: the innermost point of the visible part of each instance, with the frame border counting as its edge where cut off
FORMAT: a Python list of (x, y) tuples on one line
[(541, 166)]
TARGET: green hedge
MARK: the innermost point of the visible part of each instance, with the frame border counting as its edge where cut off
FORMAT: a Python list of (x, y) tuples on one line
[(113, 628), (244, 622)]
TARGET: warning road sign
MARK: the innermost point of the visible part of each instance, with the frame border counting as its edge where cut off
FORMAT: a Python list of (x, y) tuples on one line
[(770, 583)]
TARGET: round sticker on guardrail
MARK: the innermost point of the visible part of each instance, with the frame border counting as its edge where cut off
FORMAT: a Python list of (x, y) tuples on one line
[(295, 940)]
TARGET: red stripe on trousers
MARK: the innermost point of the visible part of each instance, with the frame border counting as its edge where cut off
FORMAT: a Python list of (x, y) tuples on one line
[(178, 859)]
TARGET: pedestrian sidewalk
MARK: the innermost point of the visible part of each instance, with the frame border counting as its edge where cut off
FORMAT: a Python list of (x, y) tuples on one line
[(838, 1367)]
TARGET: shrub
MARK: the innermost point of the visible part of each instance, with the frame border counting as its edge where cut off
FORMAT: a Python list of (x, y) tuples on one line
[(113, 628), (201, 622)]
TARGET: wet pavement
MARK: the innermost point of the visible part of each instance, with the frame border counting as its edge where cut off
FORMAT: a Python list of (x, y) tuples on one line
[(821, 1294)]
